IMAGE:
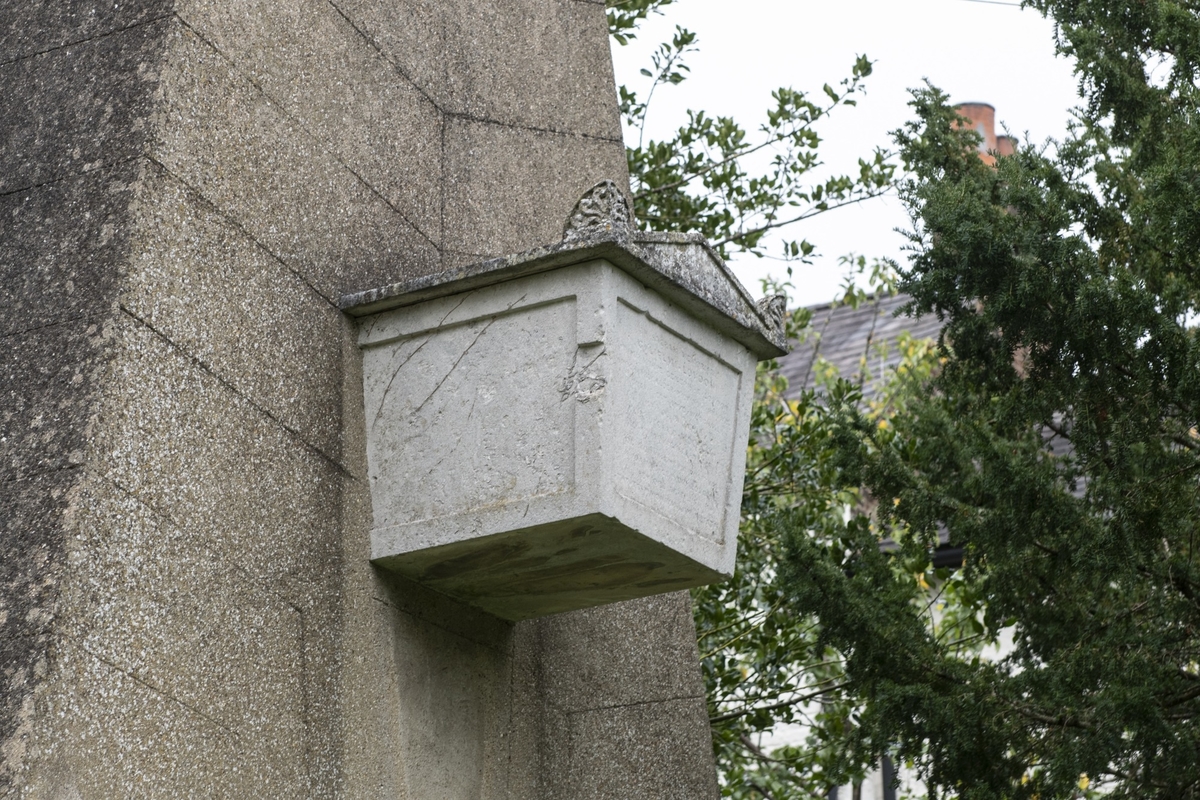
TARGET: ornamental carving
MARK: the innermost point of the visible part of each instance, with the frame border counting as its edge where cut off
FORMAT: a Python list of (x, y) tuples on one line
[(602, 209), (773, 309)]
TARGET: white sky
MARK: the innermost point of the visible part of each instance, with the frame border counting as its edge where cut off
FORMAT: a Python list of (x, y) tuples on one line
[(975, 51)]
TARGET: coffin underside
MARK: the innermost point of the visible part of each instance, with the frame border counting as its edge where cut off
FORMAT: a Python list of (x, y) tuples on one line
[(560, 566)]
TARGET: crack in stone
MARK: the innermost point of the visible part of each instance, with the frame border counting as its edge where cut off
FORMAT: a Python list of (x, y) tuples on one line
[(95, 38), (100, 316), (134, 677), (29, 476), (388, 388), (463, 355), (87, 170), (636, 704), (530, 128)]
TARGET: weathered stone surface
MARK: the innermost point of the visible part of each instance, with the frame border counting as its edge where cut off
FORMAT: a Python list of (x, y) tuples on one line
[(528, 762), (411, 35), (432, 609), (688, 260), (369, 751), (509, 189), (225, 518), (681, 267), (168, 609), (453, 712), (438, 724), (548, 82), (61, 247), (223, 299), (219, 134), (107, 734), (31, 567), (624, 719), (462, 54), (526, 448), (598, 657), (31, 550), (229, 477), (46, 386), (660, 750), (343, 92), (44, 26), (77, 108)]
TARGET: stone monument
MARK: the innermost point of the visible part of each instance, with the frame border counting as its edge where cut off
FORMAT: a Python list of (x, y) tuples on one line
[(188, 606)]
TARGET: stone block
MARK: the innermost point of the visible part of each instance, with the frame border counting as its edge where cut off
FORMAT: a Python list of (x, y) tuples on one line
[(31, 572), (433, 609), (453, 712), (332, 81), (559, 79), (464, 55), (442, 706), (38, 27), (528, 709), (660, 750), (219, 134), (46, 391), (31, 550), (633, 652), (229, 477), (410, 34), (527, 448), (507, 189), (171, 610), (77, 108), (369, 751), (105, 733), (223, 299), (61, 247)]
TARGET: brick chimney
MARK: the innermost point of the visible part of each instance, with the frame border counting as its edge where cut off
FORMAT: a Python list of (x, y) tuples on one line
[(983, 120)]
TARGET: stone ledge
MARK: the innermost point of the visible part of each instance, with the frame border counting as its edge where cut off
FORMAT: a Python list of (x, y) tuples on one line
[(682, 267)]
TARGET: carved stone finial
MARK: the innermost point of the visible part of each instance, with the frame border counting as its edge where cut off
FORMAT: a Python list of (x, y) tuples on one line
[(773, 309), (602, 209)]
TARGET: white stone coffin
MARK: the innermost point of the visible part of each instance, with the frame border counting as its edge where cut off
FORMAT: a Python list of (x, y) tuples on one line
[(564, 428)]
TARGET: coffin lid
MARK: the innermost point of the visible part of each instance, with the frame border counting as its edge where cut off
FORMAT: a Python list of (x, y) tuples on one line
[(683, 268)]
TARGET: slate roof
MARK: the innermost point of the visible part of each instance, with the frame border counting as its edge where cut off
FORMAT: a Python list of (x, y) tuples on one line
[(854, 338), (851, 338)]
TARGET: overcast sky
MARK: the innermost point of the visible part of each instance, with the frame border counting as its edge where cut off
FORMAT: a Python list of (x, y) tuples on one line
[(976, 51)]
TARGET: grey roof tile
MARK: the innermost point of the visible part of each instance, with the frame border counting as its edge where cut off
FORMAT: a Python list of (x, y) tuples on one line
[(854, 338)]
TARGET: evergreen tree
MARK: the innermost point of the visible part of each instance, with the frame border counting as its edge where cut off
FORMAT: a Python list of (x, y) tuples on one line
[(1057, 444)]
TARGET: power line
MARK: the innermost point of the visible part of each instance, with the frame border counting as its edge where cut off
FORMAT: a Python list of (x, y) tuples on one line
[(994, 3)]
